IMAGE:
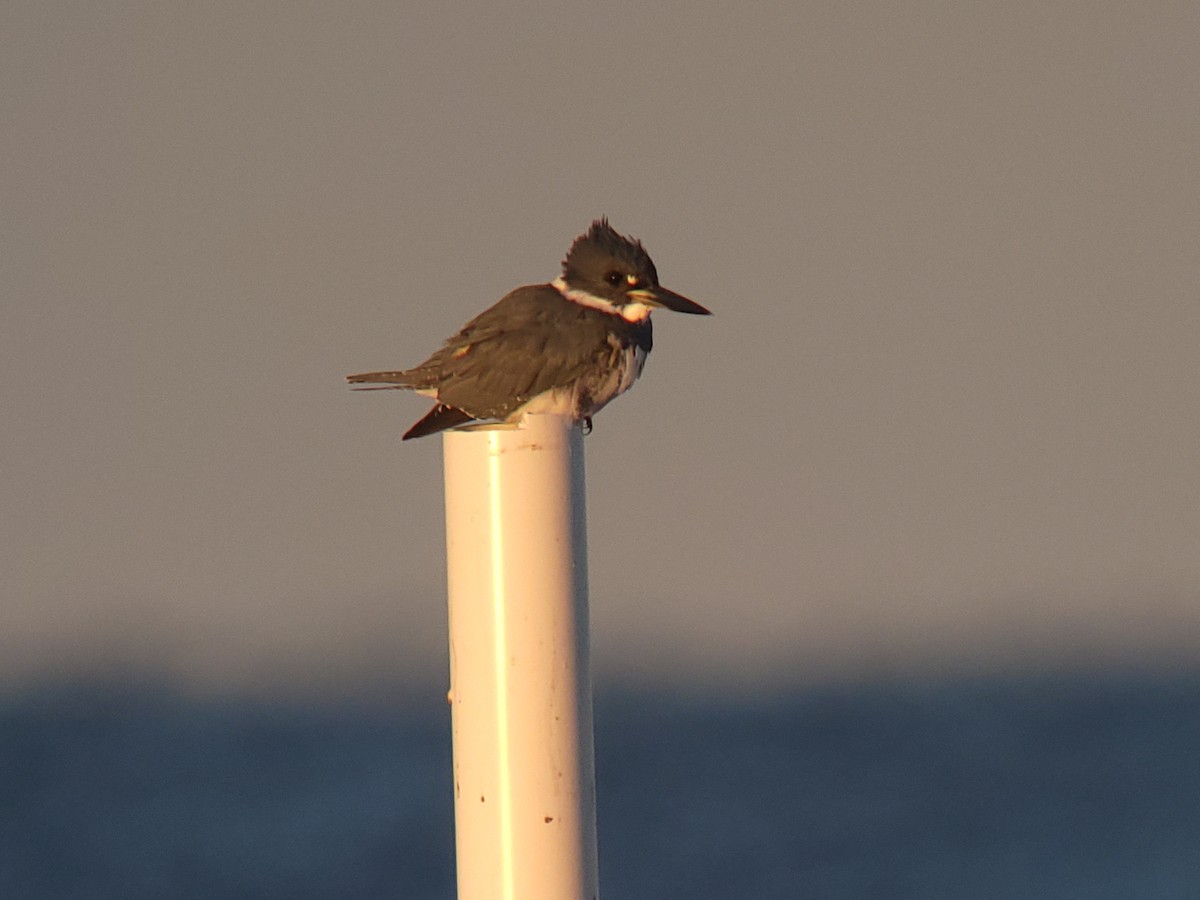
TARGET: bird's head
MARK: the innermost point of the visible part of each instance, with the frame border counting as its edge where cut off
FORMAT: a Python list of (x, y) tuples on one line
[(617, 271)]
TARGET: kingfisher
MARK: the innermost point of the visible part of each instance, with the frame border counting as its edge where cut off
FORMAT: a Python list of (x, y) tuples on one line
[(567, 347)]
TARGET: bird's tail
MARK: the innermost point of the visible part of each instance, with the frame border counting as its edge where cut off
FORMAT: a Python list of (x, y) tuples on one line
[(389, 381)]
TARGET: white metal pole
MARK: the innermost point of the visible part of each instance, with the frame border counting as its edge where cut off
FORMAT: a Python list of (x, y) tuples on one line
[(520, 683)]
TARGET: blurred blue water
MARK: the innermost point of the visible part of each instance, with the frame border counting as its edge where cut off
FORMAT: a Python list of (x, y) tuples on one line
[(1048, 788)]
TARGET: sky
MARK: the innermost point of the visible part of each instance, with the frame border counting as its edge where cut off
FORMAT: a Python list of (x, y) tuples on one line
[(943, 421)]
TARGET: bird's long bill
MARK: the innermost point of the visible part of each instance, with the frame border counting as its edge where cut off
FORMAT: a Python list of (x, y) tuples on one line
[(660, 296)]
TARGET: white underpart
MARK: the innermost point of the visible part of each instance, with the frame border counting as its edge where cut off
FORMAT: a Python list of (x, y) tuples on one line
[(631, 373), (636, 311), (564, 401), (631, 312), (555, 402)]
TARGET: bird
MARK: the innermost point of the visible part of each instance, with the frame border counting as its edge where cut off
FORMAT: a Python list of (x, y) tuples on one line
[(567, 347)]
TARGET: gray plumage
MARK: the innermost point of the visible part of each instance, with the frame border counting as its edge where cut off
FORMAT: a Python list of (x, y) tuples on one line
[(569, 346)]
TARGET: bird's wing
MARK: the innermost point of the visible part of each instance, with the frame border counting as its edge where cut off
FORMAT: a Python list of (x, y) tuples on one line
[(514, 312), (533, 340)]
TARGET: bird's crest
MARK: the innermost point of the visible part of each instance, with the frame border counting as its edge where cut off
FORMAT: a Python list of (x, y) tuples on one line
[(603, 242)]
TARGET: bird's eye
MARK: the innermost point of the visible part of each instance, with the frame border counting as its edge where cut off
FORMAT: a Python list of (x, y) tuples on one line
[(614, 278)]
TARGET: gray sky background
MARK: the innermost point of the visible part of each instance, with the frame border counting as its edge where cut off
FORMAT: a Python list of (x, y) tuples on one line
[(944, 420)]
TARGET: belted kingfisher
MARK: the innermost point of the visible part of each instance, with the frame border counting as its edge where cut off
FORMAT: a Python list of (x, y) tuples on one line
[(563, 348)]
